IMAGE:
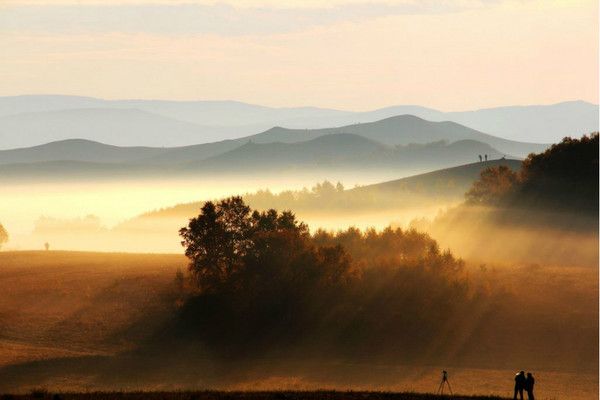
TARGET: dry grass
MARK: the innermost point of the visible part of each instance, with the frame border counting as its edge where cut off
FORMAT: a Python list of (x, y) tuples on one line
[(242, 395), (61, 304), (65, 304)]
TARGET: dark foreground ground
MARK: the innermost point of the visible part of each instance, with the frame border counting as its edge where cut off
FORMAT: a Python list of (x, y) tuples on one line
[(245, 395)]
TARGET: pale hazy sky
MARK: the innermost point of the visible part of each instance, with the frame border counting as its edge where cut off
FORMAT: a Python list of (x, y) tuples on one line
[(348, 54)]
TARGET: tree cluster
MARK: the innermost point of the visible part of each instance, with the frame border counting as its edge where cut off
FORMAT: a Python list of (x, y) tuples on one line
[(265, 284), (565, 176)]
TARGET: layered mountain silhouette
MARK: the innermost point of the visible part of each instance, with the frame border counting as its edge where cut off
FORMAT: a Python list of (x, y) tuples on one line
[(337, 151), (32, 120), (78, 150), (403, 130), (344, 151), (399, 130)]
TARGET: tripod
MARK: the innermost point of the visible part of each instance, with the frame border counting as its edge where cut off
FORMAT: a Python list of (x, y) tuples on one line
[(443, 383)]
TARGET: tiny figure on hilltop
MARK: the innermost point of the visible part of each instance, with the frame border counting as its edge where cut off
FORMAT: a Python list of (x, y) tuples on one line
[(47, 246), (519, 384), (480, 158), (486, 157)]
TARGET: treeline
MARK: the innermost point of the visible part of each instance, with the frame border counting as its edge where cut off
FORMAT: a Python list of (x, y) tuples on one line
[(266, 286), (326, 197), (263, 287), (564, 177), (329, 197)]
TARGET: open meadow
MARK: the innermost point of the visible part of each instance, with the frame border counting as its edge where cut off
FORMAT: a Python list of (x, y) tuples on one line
[(244, 395), (91, 310)]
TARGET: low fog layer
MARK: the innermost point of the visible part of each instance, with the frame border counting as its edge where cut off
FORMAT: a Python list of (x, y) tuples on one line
[(144, 216)]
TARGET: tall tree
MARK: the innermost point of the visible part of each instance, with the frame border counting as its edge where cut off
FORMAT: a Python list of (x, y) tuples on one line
[(216, 241)]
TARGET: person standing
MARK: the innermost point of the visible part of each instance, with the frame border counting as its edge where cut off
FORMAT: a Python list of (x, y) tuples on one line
[(519, 384), (529, 382)]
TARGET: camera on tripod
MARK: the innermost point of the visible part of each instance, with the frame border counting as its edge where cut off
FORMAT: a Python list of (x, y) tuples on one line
[(445, 382)]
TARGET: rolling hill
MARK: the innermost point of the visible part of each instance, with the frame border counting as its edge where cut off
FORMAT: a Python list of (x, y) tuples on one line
[(453, 182), (345, 151), (78, 150), (400, 130), (332, 152), (403, 130), (447, 184), (337, 150)]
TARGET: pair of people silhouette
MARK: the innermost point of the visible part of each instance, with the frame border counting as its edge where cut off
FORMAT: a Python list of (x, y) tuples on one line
[(481, 158), (524, 383)]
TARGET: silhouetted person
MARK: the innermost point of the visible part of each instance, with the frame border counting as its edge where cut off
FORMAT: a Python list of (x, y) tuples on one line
[(529, 382), (480, 159), (486, 157), (47, 246), (519, 384)]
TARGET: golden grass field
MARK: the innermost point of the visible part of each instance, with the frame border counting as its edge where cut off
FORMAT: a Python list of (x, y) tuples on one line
[(63, 304), (60, 305), (243, 395)]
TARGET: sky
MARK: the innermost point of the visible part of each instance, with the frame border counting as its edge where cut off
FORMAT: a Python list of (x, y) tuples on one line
[(346, 54)]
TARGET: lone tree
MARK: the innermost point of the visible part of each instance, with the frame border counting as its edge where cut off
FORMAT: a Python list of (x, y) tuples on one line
[(216, 241), (231, 247), (3, 236)]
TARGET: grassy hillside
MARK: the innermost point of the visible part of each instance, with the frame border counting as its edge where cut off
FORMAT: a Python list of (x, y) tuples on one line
[(446, 184), (453, 181)]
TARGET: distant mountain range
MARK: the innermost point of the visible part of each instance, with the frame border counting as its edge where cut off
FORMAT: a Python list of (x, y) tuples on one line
[(399, 130), (32, 120), (403, 130), (342, 152), (399, 143)]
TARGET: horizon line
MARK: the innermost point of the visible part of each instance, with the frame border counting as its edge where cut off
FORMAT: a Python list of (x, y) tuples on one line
[(294, 107)]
